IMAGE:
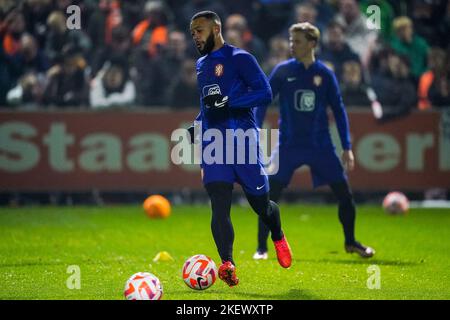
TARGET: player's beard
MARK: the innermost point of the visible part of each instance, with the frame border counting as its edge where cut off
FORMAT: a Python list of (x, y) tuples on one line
[(209, 45)]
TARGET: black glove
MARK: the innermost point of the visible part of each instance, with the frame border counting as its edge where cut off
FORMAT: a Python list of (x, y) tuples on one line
[(215, 101), (191, 135)]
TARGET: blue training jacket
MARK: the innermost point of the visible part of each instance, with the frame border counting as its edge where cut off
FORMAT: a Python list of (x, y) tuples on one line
[(235, 73), (304, 95)]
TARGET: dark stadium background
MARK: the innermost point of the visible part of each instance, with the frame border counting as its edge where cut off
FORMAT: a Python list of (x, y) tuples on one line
[(78, 105)]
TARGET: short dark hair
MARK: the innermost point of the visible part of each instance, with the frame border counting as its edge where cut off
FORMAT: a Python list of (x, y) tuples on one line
[(210, 15)]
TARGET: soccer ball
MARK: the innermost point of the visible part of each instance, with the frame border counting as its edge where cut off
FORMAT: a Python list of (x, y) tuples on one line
[(396, 203), (199, 272), (157, 206), (143, 286)]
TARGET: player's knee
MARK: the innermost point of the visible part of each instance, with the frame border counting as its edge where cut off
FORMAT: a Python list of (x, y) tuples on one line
[(259, 204), (347, 202), (218, 221), (276, 188), (274, 209), (343, 193)]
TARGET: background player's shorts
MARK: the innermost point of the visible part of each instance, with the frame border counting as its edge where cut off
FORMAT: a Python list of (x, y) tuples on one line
[(325, 166)]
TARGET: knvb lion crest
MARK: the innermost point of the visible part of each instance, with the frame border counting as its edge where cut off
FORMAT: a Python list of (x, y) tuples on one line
[(218, 70), (317, 80)]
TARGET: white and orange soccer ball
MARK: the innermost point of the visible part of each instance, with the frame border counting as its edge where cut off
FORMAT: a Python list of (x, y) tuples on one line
[(199, 272), (143, 286), (396, 203)]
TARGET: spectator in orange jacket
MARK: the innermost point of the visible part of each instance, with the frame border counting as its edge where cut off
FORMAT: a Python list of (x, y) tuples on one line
[(436, 64), (151, 34)]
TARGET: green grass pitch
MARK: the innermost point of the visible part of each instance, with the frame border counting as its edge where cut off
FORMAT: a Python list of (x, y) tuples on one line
[(109, 244)]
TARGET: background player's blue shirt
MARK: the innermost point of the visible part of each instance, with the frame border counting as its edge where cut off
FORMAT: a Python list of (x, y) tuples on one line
[(304, 95), (235, 73)]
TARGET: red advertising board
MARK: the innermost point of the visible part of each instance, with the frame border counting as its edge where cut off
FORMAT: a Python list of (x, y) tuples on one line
[(118, 150)]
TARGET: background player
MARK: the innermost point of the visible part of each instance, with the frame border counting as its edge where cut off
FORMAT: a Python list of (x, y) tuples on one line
[(306, 87), (231, 83)]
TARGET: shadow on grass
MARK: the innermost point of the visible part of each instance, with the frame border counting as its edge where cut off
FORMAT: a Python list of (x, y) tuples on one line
[(292, 294)]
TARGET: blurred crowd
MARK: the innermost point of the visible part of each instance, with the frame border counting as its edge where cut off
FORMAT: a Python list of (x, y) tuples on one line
[(139, 52)]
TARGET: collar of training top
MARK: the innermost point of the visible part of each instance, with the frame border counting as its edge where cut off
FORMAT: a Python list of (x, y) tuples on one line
[(220, 53)]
